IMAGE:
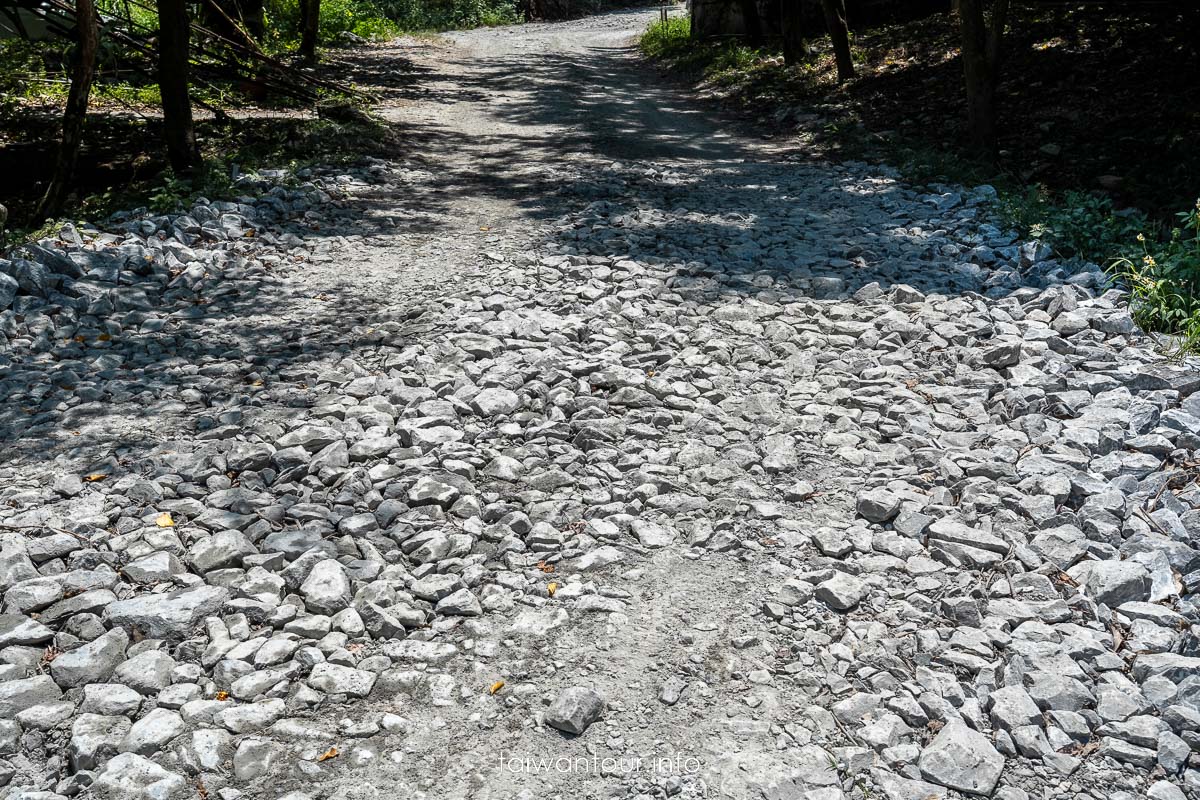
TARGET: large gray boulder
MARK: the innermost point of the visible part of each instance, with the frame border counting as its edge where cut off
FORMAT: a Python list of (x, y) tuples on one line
[(963, 759), (129, 776), (18, 695), (574, 710), (93, 662), (1115, 582), (326, 590), (167, 616)]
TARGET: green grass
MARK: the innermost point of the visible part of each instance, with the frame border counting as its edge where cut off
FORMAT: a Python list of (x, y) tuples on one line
[(1163, 275), (671, 42), (380, 20)]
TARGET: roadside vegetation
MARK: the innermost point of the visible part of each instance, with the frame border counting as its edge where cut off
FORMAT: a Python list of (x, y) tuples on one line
[(1093, 154), (259, 94)]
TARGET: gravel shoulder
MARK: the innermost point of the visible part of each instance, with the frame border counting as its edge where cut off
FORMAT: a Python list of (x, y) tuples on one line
[(588, 449)]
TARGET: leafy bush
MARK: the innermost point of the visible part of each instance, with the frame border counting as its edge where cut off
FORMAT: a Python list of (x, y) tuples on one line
[(667, 39), (671, 42), (442, 15), (1164, 281), (360, 17), (1080, 225)]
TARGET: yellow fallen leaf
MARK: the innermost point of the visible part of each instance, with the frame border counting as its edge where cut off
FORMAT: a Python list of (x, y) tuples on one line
[(551, 589), (495, 687), (328, 754), (104, 337), (78, 338), (95, 476), (164, 520), (222, 695)]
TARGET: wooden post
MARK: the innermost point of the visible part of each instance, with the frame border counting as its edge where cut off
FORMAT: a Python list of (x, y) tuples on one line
[(981, 41)]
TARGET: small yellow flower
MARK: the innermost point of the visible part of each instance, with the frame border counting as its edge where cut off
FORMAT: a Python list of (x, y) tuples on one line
[(1141, 237)]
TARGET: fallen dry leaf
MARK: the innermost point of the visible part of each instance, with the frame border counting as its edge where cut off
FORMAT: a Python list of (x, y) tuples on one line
[(328, 754), (551, 589), (95, 476), (495, 687), (544, 567), (221, 695), (164, 520)]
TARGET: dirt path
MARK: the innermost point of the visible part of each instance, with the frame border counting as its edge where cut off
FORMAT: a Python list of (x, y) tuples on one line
[(501, 121), (826, 486)]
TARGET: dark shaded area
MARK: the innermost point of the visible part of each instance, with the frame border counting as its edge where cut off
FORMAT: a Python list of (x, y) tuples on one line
[(122, 159), (1098, 96)]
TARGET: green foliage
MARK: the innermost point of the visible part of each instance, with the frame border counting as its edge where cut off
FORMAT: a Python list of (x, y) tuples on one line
[(1079, 225), (1162, 273), (361, 17), (1164, 281), (667, 39), (443, 15), (174, 193), (379, 20), (145, 17), (723, 61), (24, 75)]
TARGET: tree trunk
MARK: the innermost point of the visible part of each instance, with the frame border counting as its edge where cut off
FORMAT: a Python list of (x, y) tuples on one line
[(178, 130), (310, 20), (981, 41), (792, 31), (87, 28), (753, 23), (835, 20), (254, 17), (234, 21)]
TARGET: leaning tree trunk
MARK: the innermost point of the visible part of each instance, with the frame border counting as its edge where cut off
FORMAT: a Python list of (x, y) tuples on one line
[(87, 27), (254, 17), (234, 21), (178, 130), (981, 63), (310, 20), (839, 35), (792, 31)]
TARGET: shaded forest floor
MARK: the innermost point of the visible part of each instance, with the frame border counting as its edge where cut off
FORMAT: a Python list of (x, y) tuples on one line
[(1095, 98), (122, 163)]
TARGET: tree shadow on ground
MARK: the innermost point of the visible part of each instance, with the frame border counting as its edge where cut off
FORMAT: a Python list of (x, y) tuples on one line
[(587, 131)]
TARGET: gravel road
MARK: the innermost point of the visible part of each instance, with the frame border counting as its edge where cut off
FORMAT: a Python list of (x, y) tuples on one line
[(588, 448)]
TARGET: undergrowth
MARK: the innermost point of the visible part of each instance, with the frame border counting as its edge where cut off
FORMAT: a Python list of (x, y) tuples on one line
[(379, 20), (1158, 264)]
